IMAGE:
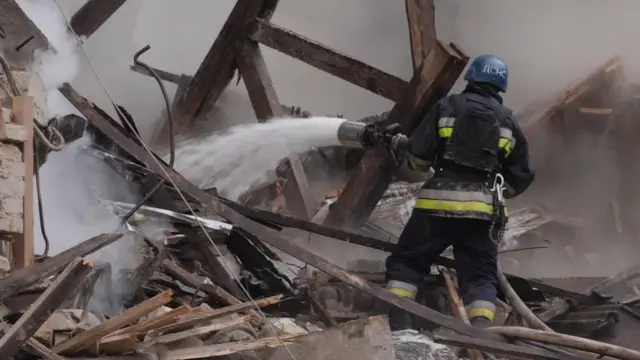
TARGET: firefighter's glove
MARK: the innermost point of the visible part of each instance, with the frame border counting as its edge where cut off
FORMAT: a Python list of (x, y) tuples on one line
[(398, 148), (392, 129)]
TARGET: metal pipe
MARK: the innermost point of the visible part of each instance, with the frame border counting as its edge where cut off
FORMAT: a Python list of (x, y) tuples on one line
[(359, 135)]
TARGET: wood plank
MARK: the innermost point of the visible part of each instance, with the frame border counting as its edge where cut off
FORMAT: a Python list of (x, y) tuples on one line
[(21, 37), (41, 309), (196, 319), (229, 348), (156, 322), (195, 332), (92, 336), (518, 351), (266, 106), (331, 61), (213, 291), (118, 345), (23, 247), (366, 185), (93, 14), (422, 29), (218, 66), (40, 350), (164, 75), (21, 279)]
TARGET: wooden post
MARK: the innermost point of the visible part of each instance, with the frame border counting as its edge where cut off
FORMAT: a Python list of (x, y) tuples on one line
[(23, 247), (266, 106), (93, 14), (364, 188)]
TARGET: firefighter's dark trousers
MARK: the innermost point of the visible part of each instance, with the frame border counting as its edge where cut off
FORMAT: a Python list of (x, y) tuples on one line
[(425, 237)]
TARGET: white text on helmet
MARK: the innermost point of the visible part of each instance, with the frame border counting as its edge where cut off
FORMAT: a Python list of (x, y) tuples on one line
[(492, 70)]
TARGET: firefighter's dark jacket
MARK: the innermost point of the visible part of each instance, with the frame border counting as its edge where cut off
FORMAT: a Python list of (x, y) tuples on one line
[(426, 146)]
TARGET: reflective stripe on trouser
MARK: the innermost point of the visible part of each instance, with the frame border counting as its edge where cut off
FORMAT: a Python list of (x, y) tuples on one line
[(507, 142), (455, 201), (480, 308), (403, 289)]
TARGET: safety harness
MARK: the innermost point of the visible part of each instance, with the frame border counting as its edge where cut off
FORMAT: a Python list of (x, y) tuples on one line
[(499, 219)]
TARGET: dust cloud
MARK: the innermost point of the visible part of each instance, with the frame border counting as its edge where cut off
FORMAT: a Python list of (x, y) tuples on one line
[(547, 44)]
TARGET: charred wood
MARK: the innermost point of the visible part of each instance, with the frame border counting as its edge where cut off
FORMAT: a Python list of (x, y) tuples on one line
[(92, 15)]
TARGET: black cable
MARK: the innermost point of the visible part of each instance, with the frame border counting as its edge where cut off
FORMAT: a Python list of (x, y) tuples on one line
[(36, 169), (172, 145)]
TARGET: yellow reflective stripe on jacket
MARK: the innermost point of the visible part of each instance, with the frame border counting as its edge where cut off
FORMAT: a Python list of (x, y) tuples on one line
[(417, 164), (507, 142), (455, 201)]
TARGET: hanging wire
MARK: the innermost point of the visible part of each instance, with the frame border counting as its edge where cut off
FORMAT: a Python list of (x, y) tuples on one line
[(223, 261)]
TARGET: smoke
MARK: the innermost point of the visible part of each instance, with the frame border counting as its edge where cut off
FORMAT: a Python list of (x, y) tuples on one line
[(73, 182)]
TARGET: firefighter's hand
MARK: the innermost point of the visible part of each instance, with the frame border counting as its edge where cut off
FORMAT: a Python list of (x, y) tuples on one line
[(392, 129)]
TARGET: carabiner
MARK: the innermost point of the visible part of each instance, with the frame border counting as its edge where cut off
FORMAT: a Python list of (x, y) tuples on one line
[(498, 187)]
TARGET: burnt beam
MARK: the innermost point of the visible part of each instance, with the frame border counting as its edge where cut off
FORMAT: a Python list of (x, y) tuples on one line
[(217, 68), (438, 72), (41, 309), (93, 14), (266, 105), (328, 60), (422, 29)]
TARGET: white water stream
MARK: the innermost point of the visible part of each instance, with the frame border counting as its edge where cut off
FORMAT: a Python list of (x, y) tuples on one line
[(244, 156)]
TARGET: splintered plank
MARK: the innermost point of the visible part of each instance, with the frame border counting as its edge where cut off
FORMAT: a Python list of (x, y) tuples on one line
[(196, 319), (218, 66), (328, 60), (213, 291), (156, 322), (93, 14), (42, 308), (610, 67), (195, 332), (229, 348), (23, 278), (422, 29), (266, 106), (92, 336), (118, 345), (371, 178)]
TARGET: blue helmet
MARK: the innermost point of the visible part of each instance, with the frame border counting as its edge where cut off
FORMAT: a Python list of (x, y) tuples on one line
[(488, 69)]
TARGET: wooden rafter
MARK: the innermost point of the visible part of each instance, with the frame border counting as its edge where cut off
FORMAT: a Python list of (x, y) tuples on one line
[(93, 14), (422, 29), (328, 60), (365, 187), (218, 66)]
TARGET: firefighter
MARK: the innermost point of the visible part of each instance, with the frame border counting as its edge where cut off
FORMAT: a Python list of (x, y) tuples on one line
[(476, 149)]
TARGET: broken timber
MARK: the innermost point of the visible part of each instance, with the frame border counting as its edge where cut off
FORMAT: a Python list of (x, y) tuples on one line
[(266, 106), (364, 188), (42, 308), (20, 36), (213, 291), (269, 236), (92, 15), (218, 66), (328, 60)]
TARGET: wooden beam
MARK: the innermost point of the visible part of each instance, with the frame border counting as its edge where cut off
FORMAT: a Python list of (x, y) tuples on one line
[(20, 36), (21, 279), (41, 309), (266, 106), (92, 15), (218, 66), (269, 236), (422, 29), (328, 60), (364, 188), (23, 247), (213, 291)]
